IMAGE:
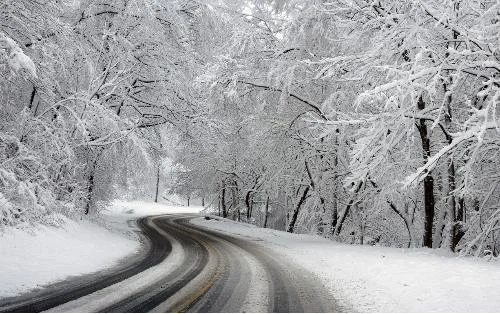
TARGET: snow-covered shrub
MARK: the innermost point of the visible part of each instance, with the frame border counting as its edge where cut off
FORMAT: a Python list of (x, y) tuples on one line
[(13, 56), (35, 176)]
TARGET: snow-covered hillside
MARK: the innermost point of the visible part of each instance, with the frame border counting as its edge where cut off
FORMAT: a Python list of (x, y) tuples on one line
[(48, 254)]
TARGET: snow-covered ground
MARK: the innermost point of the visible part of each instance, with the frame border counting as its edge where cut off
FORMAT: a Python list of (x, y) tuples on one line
[(135, 209), (46, 254), (383, 279)]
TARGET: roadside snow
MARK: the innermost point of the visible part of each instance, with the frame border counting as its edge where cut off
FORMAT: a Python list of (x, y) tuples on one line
[(379, 279), (137, 209), (30, 260), (49, 254)]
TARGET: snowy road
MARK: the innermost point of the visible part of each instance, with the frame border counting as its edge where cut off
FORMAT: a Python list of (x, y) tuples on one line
[(186, 268)]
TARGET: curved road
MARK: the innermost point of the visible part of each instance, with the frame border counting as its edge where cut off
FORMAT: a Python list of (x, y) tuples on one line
[(186, 268)]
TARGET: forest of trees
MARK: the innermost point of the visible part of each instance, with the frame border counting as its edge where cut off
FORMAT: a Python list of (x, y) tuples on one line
[(369, 122)]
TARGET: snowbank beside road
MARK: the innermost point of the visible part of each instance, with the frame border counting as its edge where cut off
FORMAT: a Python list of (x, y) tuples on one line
[(380, 279), (33, 259), (131, 209), (45, 255)]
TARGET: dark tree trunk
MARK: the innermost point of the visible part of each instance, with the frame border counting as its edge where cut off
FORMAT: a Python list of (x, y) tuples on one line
[(295, 214), (251, 207), (90, 189), (428, 180), (223, 200), (91, 184), (335, 218), (248, 205), (158, 169), (266, 211), (461, 209), (218, 205), (32, 98), (334, 213), (157, 183), (452, 205), (428, 210), (459, 229), (234, 202)]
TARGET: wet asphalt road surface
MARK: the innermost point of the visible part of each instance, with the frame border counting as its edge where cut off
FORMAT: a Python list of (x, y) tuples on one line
[(186, 268)]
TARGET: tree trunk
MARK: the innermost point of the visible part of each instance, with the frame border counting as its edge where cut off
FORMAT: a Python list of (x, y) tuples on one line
[(234, 202), (266, 211), (32, 98), (158, 170), (334, 214), (295, 214), (459, 228), (335, 218), (441, 215), (90, 189), (251, 207), (428, 180), (452, 206), (157, 183), (247, 204), (91, 184), (223, 200), (461, 218), (218, 205)]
